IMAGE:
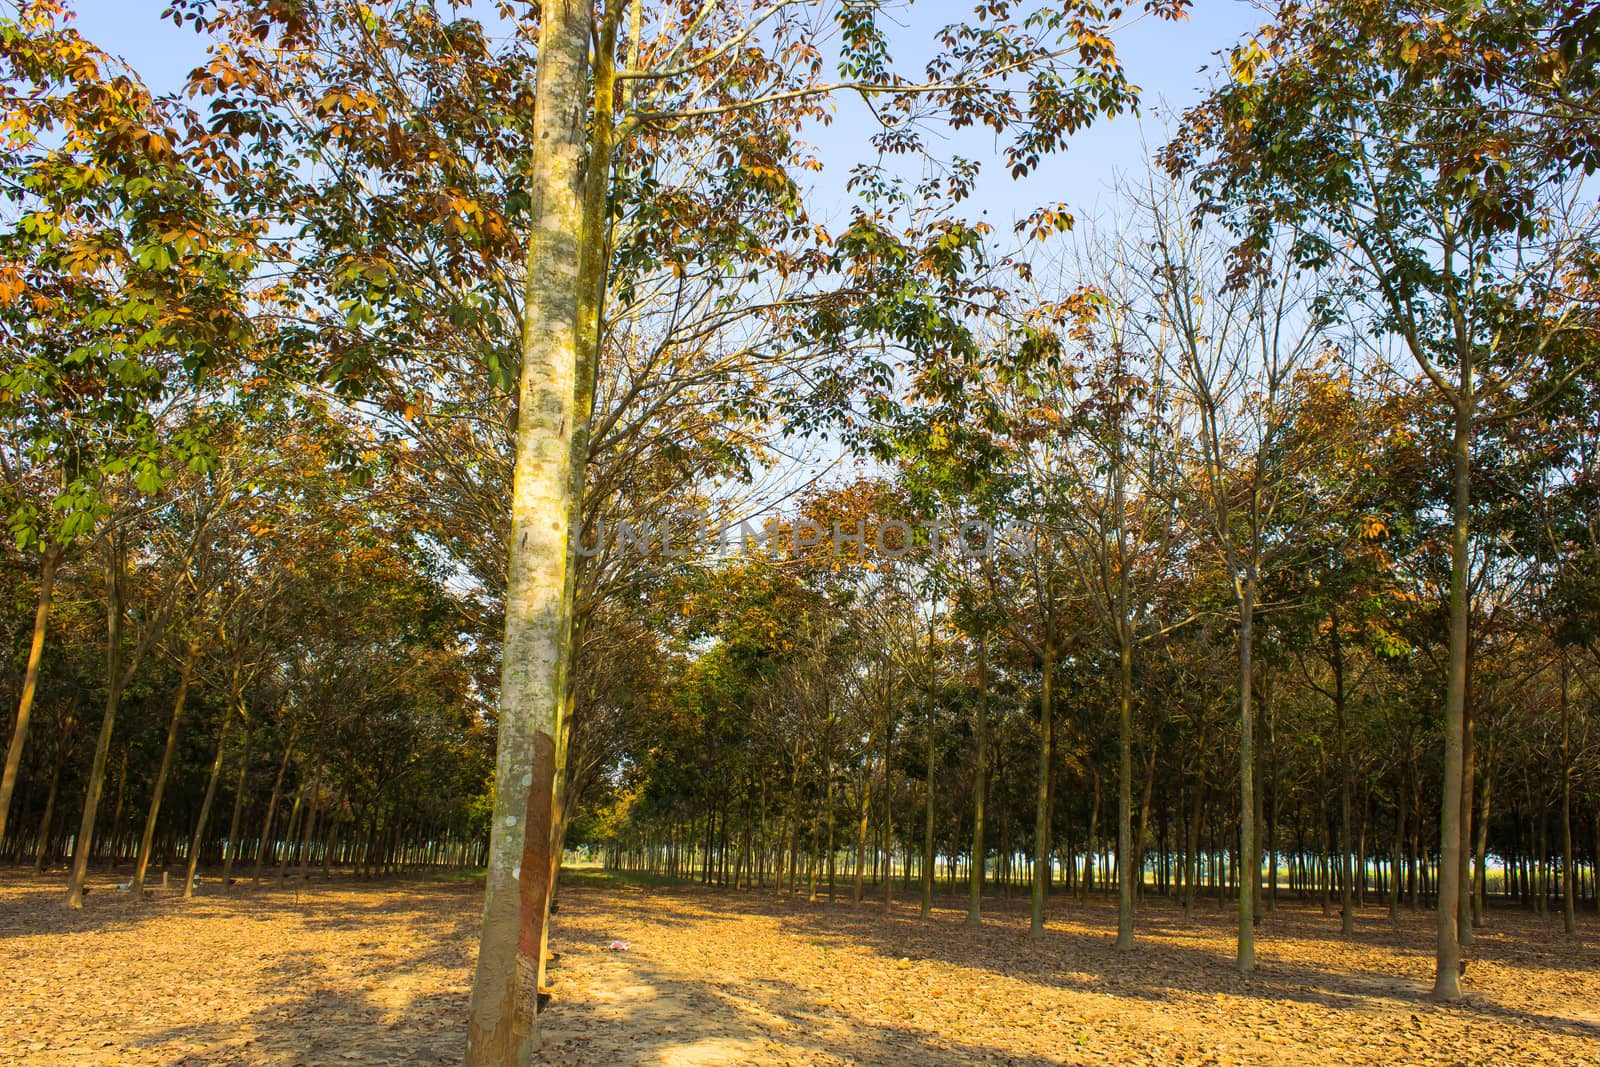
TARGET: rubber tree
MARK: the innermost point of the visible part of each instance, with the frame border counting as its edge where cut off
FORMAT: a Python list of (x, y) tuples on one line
[(90, 352), (49, 560), (502, 1028), (1458, 250)]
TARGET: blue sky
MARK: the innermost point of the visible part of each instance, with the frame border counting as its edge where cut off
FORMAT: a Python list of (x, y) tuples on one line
[(1162, 58)]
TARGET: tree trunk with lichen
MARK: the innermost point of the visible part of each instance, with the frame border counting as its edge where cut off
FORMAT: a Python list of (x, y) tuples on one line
[(502, 1027)]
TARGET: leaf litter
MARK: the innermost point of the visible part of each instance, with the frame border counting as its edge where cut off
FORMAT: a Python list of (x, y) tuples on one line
[(379, 973)]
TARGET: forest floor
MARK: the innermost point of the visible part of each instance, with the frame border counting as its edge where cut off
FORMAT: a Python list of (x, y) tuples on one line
[(378, 974)]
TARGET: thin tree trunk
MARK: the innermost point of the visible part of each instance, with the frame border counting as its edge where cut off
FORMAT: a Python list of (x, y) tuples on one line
[(30, 681), (1347, 914), (102, 748), (1468, 773), (1481, 882), (888, 820), (289, 832), (147, 839), (927, 833), (863, 825), (1569, 904), (1250, 870), (42, 848), (831, 870), (1397, 855), (113, 851), (205, 804), (1447, 981), (231, 855), (980, 773), (272, 809), (1192, 878), (1273, 844), (1041, 826), (1126, 860)]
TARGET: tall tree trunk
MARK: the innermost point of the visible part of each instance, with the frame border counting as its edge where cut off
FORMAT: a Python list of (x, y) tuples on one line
[(927, 830), (272, 809), (1250, 869), (831, 870), (1141, 837), (1481, 881), (1347, 874), (231, 855), (502, 1028), (1414, 874), (1126, 859), (1270, 713), (980, 773), (147, 839), (1041, 825), (289, 831), (42, 847), (113, 845), (1397, 855), (1468, 773), (1447, 980), (30, 680), (198, 840), (1569, 903), (102, 748), (864, 824), (1191, 885), (1091, 849), (888, 821)]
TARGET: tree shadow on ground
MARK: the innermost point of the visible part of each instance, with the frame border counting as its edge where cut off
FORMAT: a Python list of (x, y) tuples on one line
[(369, 973), (1179, 958)]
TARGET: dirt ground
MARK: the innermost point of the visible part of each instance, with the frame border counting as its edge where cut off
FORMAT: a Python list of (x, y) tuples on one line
[(378, 973)]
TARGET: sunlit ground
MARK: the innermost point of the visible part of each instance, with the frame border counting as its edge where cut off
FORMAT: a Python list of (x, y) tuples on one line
[(378, 973)]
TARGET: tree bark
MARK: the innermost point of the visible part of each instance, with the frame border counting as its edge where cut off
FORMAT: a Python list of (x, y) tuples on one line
[(927, 832), (1126, 860), (42, 847), (30, 681), (289, 831), (980, 771), (272, 809), (1447, 981), (147, 839), (1347, 913), (864, 824), (197, 841), (1041, 826), (113, 849), (502, 1029), (102, 748), (1480, 886), (1468, 774), (1273, 845), (231, 855), (1249, 868), (1569, 904)]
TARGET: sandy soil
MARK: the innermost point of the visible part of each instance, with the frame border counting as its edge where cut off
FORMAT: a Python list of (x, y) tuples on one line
[(378, 974)]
